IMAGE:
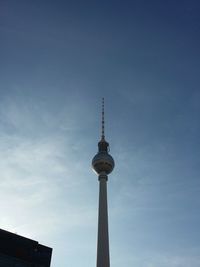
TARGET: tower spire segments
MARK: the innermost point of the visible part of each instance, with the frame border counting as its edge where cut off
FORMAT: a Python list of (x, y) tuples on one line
[(102, 121), (103, 145)]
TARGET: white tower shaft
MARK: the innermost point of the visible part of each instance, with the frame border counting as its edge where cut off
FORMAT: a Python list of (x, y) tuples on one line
[(103, 258), (103, 165)]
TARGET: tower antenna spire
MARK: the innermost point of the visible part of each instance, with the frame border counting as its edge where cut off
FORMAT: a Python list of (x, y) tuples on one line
[(103, 122)]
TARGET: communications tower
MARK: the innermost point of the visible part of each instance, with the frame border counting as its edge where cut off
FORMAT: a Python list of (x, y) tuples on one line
[(103, 165)]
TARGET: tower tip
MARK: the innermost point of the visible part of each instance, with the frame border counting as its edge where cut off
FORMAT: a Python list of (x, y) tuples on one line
[(103, 121)]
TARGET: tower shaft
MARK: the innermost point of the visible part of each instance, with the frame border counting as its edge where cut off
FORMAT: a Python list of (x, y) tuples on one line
[(103, 258), (103, 164)]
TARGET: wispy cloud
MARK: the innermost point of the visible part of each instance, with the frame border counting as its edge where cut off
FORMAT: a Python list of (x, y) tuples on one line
[(152, 259), (37, 174)]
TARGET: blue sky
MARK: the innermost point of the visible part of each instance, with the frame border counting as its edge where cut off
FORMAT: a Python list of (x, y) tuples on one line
[(58, 59)]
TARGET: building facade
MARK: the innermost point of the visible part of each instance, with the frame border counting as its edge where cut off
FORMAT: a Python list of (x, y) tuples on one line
[(18, 251)]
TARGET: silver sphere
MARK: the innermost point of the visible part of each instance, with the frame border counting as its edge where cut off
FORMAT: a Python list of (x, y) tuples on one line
[(103, 163)]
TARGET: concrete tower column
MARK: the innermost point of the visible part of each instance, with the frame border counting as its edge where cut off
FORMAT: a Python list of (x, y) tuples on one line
[(103, 165), (103, 258)]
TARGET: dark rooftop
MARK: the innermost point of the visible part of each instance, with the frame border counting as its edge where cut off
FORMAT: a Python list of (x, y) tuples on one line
[(24, 249)]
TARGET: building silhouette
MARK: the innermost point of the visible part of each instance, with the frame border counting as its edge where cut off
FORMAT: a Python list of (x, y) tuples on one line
[(18, 251), (103, 165)]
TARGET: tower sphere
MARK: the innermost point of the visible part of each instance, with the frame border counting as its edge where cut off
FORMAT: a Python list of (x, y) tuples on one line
[(103, 163)]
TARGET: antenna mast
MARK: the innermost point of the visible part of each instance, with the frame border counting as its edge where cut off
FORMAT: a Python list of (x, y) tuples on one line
[(103, 122)]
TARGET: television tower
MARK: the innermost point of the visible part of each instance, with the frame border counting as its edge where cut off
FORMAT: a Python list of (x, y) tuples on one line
[(103, 164)]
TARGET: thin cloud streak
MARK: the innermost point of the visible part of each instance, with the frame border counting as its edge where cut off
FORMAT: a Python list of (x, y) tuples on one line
[(35, 176)]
